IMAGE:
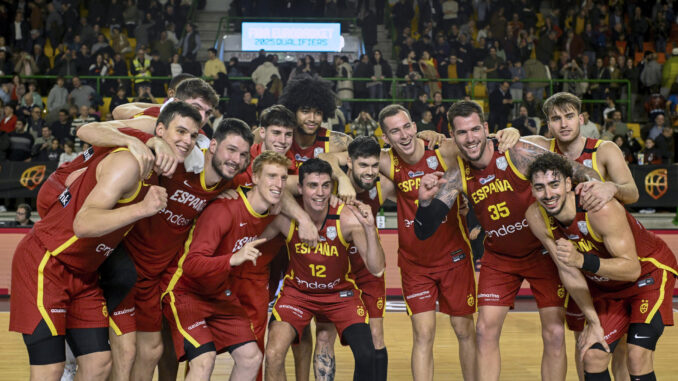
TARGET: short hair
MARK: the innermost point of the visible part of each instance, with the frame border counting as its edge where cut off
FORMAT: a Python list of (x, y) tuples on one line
[(390, 111), (233, 126), (464, 109), (212, 50), (307, 91), (175, 81), (25, 207), (314, 165), (269, 157), (278, 115), (363, 146), (197, 88), (550, 162), (561, 101), (178, 108)]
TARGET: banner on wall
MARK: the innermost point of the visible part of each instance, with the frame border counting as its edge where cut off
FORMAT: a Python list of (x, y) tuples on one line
[(292, 37), (657, 185), (23, 180)]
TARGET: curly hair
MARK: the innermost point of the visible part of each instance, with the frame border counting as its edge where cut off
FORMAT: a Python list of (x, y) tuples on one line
[(550, 162), (309, 92)]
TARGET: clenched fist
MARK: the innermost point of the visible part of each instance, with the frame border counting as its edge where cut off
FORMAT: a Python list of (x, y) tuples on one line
[(155, 200)]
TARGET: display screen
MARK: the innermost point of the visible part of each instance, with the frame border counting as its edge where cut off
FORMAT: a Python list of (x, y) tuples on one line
[(292, 37)]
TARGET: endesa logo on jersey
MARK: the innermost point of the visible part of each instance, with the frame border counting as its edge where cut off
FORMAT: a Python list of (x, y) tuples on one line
[(505, 230), (186, 198), (315, 285)]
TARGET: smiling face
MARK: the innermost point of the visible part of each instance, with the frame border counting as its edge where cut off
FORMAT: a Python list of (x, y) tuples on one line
[(202, 106), (181, 135), (315, 191), (401, 132), (564, 123), (231, 156), (308, 120), (550, 190), (270, 182), (277, 138), (364, 170), (470, 134)]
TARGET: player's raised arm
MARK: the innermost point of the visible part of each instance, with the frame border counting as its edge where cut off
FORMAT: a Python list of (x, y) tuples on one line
[(525, 152), (118, 177), (308, 232), (363, 233), (129, 110), (437, 194)]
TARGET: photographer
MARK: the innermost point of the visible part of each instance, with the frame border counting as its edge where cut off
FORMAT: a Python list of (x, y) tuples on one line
[(571, 70), (144, 93)]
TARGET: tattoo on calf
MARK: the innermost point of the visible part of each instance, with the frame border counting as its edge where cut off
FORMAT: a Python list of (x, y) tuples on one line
[(325, 366)]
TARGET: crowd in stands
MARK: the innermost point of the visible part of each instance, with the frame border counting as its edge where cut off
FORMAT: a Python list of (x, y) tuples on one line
[(510, 49)]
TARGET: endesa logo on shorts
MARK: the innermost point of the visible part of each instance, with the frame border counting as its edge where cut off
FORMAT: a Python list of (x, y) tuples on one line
[(505, 230), (315, 285)]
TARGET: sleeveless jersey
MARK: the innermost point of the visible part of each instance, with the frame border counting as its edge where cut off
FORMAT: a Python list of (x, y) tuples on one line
[(151, 111), (500, 195), (155, 241), (223, 229), (256, 151), (55, 230), (373, 198), (324, 268), (449, 244), (649, 247), (321, 144), (588, 156)]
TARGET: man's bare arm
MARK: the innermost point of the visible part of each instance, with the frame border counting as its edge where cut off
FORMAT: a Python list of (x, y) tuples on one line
[(526, 152), (339, 141), (130, 110), (118, 177), (437, 194), (308, 232), (345, 189), (359, 221)]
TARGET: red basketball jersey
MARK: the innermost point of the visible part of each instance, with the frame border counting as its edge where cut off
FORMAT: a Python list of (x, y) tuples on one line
[(588, 156), (321, 144)]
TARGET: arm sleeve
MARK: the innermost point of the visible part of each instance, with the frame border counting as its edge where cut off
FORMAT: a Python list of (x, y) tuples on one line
[(203, 264)]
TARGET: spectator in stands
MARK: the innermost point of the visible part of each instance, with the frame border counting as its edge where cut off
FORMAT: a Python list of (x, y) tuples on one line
[(572, 71), (42, 144), (620, 127), (418, 107), (535, 70), (102, 44), (69, 153), (363, 125), (65, 62), (53, 153), (651, 75), (35, 121), (56, 99), (6, 67), (83, 118), (119, 42), (61, 129), (20, 143), (608, 131), (81, 95), (144, 93), (666, 145), (131, 16), (33, 93), (639, 28), (500, 107), (9, 120), (492, 62), (324, 68), (408, 69), (190, 44), (19, 32), (17, 89), (114, 16), (53, 24), (344, 87), (670, 71), (23, 216), (379, 70), (83, 60), (651, 153), (262, 74), (87, 34), (426, 122), (175, 65), (655, 128), (25, 64), (264, 98), (165, 47), (144, 30), (525, 124), (362, 70), (627, 153), (429, 70), (439, 112), (588, 128), (243, 108), (610, 106), (140, 69), (402, 14), (451, 69)]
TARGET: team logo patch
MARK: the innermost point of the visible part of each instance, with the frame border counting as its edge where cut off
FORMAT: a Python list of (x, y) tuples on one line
[(432, 162), (470, 300), (331, 233), (88, 154), (561, 291), (502, 163), (644, 306), (485, 180), (583, 228), (588, 163), (380, 303), (373, 193), (104, 310), (361, 311), (317, 151)]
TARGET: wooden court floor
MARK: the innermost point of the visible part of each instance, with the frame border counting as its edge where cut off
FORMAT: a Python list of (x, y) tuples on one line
[(520, 346)]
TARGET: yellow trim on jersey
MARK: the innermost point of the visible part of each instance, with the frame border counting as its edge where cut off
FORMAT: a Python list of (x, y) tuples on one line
[(462, 169), (409, 311), (440, 159), (380, 193), (114, 326), (594, 159), (391, 173), (290, 232), (552, 145), (547, 222), (178, 322), (470, 250), (133, 196), (328, 133), (41, 282), (339, 234), (249, 206), (513, 167), (180, 267), (203, 184), (590, 229), (659, 265), (282, 285), (660, 300)]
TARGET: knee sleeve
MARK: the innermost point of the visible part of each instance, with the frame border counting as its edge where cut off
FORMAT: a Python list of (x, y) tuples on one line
[(381, 364), (84, 341), (646, 335), (43, 348), (602, 376), (646, 377), (117, 277), (193, 352), (612, 346), (359, 338)]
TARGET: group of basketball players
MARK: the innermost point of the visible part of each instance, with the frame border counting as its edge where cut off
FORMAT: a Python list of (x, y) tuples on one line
[(159, 245)]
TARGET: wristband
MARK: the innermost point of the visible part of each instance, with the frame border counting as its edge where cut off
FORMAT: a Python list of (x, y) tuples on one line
[(591, 263), (428, 218)]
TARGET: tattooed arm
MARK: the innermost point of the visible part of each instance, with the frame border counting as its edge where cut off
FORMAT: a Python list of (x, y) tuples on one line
[(339, 141), (437, 194), (525, 152)]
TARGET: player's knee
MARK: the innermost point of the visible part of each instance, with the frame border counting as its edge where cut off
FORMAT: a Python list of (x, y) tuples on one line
[(150, 351), (639, 359), (464, 329), (248, 357), (487, 332), (203, 364), (378, 338), (95, 366), (595, 360), (553, 336), (274, 355), (424, 334), (124, 355)]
